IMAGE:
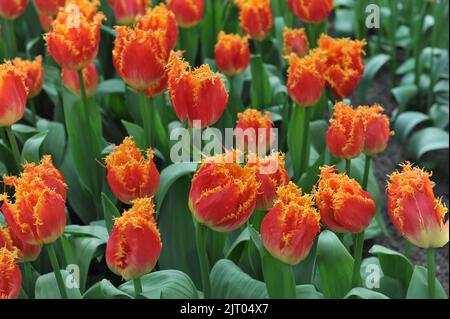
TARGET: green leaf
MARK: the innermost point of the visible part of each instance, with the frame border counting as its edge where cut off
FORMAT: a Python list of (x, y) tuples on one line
[(237, 247), (261, 91), (406, 122), (373, 66), (47, 288), (105, 290), (96, 231), (30, 151), (55, 142), (335, 266), (308, 292), (110, 212), (169, 284), (111, 86), (418, 286), (440, 115), (364, 293), (228, 281), (427, 140), (404, 94)]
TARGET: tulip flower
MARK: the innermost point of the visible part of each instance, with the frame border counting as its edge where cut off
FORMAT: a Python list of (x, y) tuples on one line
[(289, 228), (33, 74), (49, 7), (223, 193), (130, 175), (345, 66), (25, 251), (254, 131), (311, 11), (344, 206), (140, 57), (72, 80), (345, 136), (11, 9), (127, 12), (295, 41), (376, 127), (271, 174), (196, 94), (305, 78), (414, 210), (232, 53), (160, 18), (87, 8), (45, 22), (188, 13), (73, 41), (256, 18), (10, 275), (13, 94), (135, 243)]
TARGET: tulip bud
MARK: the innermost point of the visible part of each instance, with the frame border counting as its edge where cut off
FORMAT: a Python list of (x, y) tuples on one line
[(376, 127), (232, 53), (256, 18), (305, 82), (255, 131), (345, 136), (289, 228), (135, 243), (72, 80), (223, 193), (46, 22), (126, 12), (140, 57), (160, 18), (311, 11), (188, 13), (130, 175), (12, 9), (414, 210), (295, 41), (271, 174), (49, 7), (32, 73), (13, 95), (196, 94), (25, 252), (10, 275), (70, 31), (345, 66), (37, 214), (343, 205)]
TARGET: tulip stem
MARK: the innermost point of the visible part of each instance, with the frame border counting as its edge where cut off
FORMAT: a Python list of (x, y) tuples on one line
[(14, 146), (200, 237), (28, 277), (431, 273), (56, 270), (137, 286), (407, 249), (304, 156), (33, 112), (348, 167), (367, 163), (358, 244), (12, 51), (146, 119)]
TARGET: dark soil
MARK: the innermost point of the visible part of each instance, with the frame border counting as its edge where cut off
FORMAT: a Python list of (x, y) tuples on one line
[(386, 163)]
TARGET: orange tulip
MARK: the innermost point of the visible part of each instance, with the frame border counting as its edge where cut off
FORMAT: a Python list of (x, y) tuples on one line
[(289, 228), (345, 66), (345, 136), (11, 9), (160, 18), (188, 13), (46, 22), (140, 57), (414, 210), (223, 193), (135, 243), (25, 252), (255, 131), (232, 53), (49, 7), (73, 41), (311, 11), (376, 127), (256, 18), (344, 206), (13, 95), (37, 215), (10, 275), (271, 174), (295, 41), (305, 82), (128, 11), (72, 80), (33, 74), (130, 175), (196, 94)]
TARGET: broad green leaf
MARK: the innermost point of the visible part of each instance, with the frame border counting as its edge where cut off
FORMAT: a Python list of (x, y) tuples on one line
[(427, 140), (364, 293), (110, 212), (440, 115), (406, 122), (111, 86), (47, 288), (55, 142), (105, 290), (235, 251), (403, 95), (418, 286), (261, 91), (30, 150), (308, 292), (96, 231), (373, 65)]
